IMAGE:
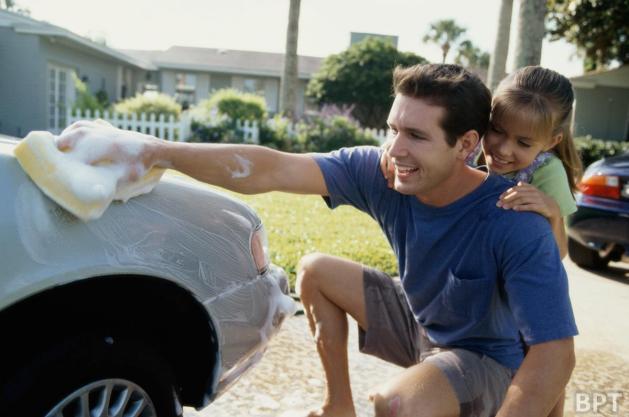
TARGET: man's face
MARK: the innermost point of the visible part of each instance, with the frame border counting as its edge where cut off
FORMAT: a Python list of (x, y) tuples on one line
[(423, 160)]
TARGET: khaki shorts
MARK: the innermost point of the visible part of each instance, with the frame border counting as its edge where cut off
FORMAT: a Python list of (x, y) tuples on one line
[(393, 334)]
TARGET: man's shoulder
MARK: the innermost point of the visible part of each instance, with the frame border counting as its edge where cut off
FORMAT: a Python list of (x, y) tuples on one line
[(356, 156), (507, 222)]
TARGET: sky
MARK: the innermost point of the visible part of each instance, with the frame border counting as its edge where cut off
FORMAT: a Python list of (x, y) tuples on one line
[(260, 25)]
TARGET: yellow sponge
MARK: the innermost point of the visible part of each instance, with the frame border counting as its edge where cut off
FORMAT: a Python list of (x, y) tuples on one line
[(84, 190)]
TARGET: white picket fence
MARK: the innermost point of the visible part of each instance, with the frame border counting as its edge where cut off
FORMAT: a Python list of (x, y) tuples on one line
[(180, 129), (165, 128)]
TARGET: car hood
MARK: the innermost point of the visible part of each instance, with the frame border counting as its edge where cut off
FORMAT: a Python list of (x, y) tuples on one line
[(182, 231)]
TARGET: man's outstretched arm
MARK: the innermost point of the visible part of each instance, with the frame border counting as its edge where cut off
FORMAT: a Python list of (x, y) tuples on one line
[(242, 168), (540, 380), (247, 169)]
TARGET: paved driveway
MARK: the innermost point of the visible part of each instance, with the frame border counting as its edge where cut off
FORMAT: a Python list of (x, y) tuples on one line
[(289, 378)]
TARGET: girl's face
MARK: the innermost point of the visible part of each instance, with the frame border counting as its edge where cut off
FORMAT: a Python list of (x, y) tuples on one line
[(509, 146)]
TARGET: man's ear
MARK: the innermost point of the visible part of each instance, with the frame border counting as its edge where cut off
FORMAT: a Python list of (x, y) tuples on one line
[(466, 143), (554, 141)]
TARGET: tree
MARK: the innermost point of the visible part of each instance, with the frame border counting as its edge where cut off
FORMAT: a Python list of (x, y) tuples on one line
[(288, 86), (531, 31), (361, 76), (444, 33), (470, 56), (498, 60), (599, 29)]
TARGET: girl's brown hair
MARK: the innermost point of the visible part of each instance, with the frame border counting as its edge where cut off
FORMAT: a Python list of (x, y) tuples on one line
[(543, 98)]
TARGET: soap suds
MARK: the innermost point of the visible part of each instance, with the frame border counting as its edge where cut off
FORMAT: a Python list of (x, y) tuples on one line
[(94, 186), (244, 167)]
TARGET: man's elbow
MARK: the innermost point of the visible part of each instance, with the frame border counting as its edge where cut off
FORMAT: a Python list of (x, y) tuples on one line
[(561, 351)]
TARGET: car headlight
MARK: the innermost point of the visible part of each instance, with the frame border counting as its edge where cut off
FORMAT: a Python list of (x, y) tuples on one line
[(260, 249)]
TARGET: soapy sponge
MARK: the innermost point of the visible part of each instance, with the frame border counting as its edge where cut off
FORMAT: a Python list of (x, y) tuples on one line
[(84, 190)]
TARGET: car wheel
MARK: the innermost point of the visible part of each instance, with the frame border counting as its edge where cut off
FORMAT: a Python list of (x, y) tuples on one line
[(584, 256), (92, 376)]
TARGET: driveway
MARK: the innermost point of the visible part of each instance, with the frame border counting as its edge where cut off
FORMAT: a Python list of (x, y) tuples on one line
[(289, 378)]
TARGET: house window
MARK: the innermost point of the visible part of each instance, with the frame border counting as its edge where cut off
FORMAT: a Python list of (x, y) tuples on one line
[(186, 81), (185, 89), (253, 85), (58, 91), (219, 82)]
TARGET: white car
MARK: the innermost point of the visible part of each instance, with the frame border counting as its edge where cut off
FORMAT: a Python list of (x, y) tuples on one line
[(161, 303)]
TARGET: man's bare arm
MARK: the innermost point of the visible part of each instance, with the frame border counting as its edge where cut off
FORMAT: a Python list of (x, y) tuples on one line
[(540, 380), (242, 168), (247, 169)]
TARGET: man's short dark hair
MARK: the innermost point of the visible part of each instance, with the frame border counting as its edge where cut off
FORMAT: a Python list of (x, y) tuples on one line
[(466, 100)]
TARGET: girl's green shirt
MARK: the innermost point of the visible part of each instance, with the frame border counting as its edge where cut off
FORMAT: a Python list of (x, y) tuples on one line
[(552, 180)]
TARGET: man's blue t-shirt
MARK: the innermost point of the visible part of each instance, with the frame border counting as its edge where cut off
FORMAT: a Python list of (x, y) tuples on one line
[(475, 275)]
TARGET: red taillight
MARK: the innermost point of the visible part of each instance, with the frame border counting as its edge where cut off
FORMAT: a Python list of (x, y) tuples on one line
[(607, 186)]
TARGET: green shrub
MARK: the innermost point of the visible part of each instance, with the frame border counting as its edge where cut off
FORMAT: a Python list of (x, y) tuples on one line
[(156, 103), (278, 135), (85, 100), (592, 150), (236, 105), (224, 131), (327, 134), (214, 119)]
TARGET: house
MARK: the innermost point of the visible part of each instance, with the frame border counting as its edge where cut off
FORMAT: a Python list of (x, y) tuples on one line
[(602, 104), (192, 74), (38, 62)]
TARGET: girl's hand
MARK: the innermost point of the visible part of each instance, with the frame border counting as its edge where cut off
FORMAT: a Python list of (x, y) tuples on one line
[(525, 197), (386, 164)]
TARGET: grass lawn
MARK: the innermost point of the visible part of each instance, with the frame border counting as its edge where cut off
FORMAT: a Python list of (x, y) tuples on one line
[(297, 225)]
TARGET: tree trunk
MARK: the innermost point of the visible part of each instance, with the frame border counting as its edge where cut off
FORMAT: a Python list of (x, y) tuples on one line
[(528, 50), (288, 85), (444, 52), (498, 60)]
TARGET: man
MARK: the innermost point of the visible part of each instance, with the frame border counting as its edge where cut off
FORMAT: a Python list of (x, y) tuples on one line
[(473, 277)]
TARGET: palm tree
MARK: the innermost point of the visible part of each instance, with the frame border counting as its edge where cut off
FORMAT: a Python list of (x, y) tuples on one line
[(531, 31), (288, 85), (498, 60), (444, 33), (471, 56)]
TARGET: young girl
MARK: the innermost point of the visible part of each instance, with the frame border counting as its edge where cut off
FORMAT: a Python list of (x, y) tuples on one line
[(529, 140)]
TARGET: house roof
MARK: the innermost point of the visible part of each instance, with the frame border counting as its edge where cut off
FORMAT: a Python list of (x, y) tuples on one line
[(225, 61), (27, 25), (617, 77)]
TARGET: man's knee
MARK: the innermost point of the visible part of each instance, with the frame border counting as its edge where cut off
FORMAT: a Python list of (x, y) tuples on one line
[(395, 404), (386, 405), (419, 391), (307, 272)]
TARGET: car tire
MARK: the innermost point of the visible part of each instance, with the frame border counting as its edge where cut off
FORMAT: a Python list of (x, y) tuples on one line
[(115, 376), (585, 257)]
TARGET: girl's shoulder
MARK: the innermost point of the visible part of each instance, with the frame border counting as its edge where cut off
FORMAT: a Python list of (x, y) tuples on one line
[(550, 169), (551, 178)]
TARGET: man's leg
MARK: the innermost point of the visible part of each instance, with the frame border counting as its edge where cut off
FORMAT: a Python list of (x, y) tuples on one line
[(330, 288), (557, 410), (422, 390)]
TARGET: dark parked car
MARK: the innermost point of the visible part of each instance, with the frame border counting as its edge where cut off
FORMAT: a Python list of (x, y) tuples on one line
[(599, 230)]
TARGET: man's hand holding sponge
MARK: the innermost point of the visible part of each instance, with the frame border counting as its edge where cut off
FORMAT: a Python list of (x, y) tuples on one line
[(84, 177)]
